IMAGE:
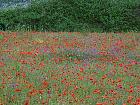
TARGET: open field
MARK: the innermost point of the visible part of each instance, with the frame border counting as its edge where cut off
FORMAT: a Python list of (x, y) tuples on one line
[(69, 68)]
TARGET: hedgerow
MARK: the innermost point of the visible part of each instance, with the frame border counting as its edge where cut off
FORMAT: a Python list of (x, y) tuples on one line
[(75, 15)]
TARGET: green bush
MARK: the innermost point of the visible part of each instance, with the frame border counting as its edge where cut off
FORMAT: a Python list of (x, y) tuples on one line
[(75, 15)]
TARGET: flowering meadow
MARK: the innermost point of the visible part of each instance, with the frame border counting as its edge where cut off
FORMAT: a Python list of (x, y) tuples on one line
[(47, 68)]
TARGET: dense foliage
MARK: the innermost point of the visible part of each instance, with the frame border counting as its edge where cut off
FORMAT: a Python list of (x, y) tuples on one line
[(75, 15)]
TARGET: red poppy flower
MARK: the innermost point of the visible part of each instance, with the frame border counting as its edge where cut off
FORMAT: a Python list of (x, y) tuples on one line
[(104, 76), (41, 91), (42, 64), (99, 103), (76, 87), (120, 86), (131, 91), (17, 90), (17, 73), (26, 53), (81, 69), (33, 92), (27, 101), (88, 96), (45, 84), (121, 64), (96, 91), (64, 93), (49, 91), (2, 64), (138, 100), (24, 75), (73, 95)]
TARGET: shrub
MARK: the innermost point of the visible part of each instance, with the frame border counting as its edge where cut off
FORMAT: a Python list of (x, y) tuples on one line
[(76, 15)]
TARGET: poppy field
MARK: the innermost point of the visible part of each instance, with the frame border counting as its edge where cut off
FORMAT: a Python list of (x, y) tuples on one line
[(63, 68)]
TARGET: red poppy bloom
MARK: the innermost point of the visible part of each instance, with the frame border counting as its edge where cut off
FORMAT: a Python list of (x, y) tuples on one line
[(2, 64), (45, 84), (24, 75), (120, 86), (17, 73), (81, 69), (131, 91), (73, 95), (99, 103), (26, 53), (104, 76), (33, 92), (96, 91), (17, 90), (27, 102), (88, 96), (42, 64), (138, 100), (64, 93), (121, 64), (41, 91)]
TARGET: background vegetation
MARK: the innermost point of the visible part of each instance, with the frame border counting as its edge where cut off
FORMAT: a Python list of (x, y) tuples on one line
[(74, 15)]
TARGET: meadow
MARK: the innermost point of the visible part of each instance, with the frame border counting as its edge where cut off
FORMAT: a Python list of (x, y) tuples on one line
[(69, 68)]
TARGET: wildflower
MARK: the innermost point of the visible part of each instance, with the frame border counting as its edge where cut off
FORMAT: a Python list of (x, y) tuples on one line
[(76, 87), (73, 95), (104, 76), (41, 91), (46, 50), (102, 53), (81, 69), (99, 103), (133, 62), (120, 43), (91, 78), (49, 91), (43, 101), (14, 85), (96, 91), (26, 53), (63, 80), (112, 91), (17, 90), (120, 86), (131, 91), (121, 64), (105, 96), (29, 85), (27, 102), (64, 93), (17, 73), (33, 92), (119, 80), (88, 96), (24, 75), (131, 86), (45, 84), (138, 101), (41, 64), (80, 78), (2, 64)]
